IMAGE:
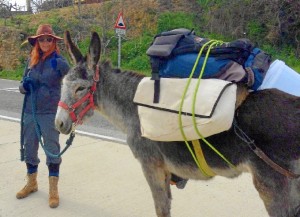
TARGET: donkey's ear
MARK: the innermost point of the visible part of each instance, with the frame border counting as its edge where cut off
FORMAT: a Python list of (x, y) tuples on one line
[(73, 51), (94, 51)]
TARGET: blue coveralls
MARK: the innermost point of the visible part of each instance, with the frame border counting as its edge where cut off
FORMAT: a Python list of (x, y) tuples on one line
[(47, 76)]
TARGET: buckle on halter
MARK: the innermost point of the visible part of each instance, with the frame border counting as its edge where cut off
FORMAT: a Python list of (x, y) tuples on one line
[(95, 79), (71, 109), (96, 75)]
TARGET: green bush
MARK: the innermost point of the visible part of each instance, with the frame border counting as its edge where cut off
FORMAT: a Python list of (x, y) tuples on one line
[(256, 31), (172, 20), (13, 74), (285, 54), (140, 64), (133, 54), (84, 45)]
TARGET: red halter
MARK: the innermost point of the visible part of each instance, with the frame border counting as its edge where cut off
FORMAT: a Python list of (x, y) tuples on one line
[(88, 97)]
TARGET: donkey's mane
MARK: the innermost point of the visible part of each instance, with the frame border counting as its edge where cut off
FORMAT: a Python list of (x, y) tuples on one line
[(134, 74), (107, 66)]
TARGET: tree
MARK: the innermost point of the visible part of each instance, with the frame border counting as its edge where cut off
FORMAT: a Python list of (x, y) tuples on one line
[(5, 10), (28, 6), (47, 5)]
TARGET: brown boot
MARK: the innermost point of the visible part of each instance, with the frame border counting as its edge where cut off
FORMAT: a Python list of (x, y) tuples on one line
[(53, 192), (30, 187)]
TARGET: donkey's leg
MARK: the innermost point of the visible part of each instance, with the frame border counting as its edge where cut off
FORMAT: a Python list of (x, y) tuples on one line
[(159, 181), (294, 190), (267, 191), (279, 194)]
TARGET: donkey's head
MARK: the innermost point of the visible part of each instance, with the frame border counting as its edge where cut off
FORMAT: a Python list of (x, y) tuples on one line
[(76, 102)]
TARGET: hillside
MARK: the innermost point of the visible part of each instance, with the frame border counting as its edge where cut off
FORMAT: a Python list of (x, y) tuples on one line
[(144, 19), (140, 17)]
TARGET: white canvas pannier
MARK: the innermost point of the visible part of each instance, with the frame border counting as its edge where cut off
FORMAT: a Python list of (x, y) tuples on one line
[(214, 108)]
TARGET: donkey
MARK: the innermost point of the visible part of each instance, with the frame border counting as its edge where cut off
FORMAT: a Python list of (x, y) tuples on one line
[(271, 119)]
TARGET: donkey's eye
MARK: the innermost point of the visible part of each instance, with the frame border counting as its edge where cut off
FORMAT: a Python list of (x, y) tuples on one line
[(79, 89)]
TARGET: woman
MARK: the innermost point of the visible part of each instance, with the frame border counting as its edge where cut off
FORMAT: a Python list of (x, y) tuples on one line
[(41, 83)]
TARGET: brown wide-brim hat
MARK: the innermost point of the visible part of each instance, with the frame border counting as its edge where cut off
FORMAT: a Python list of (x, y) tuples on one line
[(43, 30)]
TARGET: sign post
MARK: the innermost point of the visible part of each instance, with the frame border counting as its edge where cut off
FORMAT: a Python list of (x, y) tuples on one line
[(120, 29)]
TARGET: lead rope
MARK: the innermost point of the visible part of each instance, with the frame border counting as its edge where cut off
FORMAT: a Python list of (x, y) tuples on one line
[(211, 43), (22, 150), (38, 130)]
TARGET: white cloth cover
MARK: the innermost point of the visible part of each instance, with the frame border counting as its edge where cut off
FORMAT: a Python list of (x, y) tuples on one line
[(282, 77), (215, 103)]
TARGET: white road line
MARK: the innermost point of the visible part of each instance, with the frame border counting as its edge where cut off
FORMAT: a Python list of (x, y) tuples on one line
[(10, 118), (98, 136), (13, 89)]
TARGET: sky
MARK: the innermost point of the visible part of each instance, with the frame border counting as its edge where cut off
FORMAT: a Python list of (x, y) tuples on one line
[(19, 2)]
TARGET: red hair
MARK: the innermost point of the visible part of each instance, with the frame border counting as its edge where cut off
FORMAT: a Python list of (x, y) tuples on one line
[(35, 55)]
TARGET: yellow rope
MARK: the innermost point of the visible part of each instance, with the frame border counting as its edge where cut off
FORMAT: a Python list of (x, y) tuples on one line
[(194, 106), (211, 43), (181, 105), (201, 159)]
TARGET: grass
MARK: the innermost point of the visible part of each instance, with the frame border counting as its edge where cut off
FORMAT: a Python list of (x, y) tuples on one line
[(13, 74)]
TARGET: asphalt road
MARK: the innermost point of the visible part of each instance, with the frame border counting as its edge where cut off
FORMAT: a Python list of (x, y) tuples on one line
[(102, 179), (11, 102)]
